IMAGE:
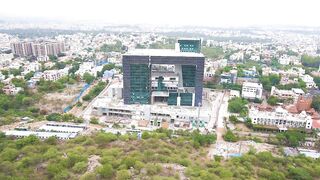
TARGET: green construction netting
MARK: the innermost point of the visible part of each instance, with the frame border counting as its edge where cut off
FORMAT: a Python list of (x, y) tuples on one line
[(139, 84), (188, 75), (186, 99), (172, 99)]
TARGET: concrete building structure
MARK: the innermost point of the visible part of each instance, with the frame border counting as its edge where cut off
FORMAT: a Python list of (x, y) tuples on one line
[(280, 118), (163, 76), (294, 93), (41, 135), (251, 90), (53, 75), (156, 115), (11, 89), (37, 49), (309, 81)]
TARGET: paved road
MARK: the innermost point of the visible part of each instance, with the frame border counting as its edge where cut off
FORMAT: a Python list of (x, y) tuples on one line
[(215, 111), (223, 112), (86, 113)]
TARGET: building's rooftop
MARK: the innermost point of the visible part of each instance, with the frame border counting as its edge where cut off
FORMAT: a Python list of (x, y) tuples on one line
[(251, 84), (61, 129), (162, 52), (297, 90), (41, 134)]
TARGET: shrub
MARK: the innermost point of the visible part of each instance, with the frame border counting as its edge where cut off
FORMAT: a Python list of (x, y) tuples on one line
[(230, 137), (123, 175), (79, 167), (105, 171)]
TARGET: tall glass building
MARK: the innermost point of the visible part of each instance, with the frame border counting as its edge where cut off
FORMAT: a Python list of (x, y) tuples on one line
[(157, 76)]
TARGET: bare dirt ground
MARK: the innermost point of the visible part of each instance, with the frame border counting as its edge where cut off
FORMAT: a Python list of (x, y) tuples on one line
[(57, 101), (30, 125), (227, 149), (242, 127), (93, 163), (172, 169)]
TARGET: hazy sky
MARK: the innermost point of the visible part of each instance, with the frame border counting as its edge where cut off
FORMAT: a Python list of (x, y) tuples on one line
[(172, 12)]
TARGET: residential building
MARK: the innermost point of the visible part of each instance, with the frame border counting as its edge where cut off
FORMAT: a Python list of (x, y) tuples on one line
[(286, 60), (11, 89), (88, 67), (252, 90), (37, 49), (280, 118), (2, 77), (310, 84), (239, 56), (34, 67), (21, 48), (234, 93), (294, 93), (53, 75), (229, 77), (251, 73)]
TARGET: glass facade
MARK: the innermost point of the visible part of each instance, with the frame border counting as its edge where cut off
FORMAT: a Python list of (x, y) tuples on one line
[(172, 100), (186, 99), (188, 75), (140, 84), (190, 45)]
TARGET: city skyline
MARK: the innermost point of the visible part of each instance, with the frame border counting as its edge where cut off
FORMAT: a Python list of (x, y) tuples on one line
[(204, 13)]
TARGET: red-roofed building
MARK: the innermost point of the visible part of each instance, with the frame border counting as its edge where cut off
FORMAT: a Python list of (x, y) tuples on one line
[(316, 124)]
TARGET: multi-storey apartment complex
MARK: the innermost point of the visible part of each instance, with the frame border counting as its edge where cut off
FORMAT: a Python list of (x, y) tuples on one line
[(37, 49)]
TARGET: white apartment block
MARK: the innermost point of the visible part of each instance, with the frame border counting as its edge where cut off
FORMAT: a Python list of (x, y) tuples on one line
[(280, 118), (309, 81), (2, 77), (286, 60), (34, 66), (88, 67), (293, 72), (53, 75), (5, 58), (294, 93), (11, 89), (237, 56), (252, 90)]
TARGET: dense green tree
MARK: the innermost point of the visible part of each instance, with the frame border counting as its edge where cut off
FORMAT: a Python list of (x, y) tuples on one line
[(310, 61), (269, 81), (29, 75), (117, 47), (233, 119), (291, 138), (106, 171), (54, 117), (88, 78), (95, 91), (238, 105), (123, 175), (213, 52), (316, 103), (230, 137), (272, 100)]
